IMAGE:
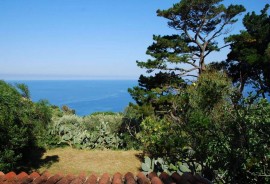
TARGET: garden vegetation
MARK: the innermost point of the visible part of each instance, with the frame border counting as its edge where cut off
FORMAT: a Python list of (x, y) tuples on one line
[(188, 115)]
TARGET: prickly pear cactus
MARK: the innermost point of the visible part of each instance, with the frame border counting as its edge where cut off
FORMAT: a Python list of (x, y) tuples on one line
[(148, 165), (70, 130), (162, 165)]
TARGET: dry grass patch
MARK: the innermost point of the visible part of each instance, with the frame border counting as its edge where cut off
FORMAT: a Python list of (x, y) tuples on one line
[(92, 161)]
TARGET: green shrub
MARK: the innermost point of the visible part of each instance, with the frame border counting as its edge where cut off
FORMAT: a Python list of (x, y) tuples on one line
[(104, 113), (42, 115), (103, 137), (71, 130), (130, 127), (56, 112), (67, 110), (67, 130), (160, 138), (206, 125), (159, 165), (114, 121), (22, 125)]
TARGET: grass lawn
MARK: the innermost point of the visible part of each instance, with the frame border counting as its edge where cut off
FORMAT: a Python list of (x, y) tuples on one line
[(68, 160)]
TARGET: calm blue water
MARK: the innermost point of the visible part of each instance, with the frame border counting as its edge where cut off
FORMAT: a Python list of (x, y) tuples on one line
[(85, 96)]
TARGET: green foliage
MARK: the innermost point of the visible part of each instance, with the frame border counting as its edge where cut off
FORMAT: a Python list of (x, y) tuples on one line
[(210, 90), (130, 127), (42, 115), (71, 130), (234, 142), (104, 113), (23, 89), (206, 122), (225, 141), (148, 165), (22, 125), (68, 129), (155, 93), (199, 23), (248, 60), (159, 138), (67, 110), (102, 138), (249, 140), (173, 57), (56, 111), (114, 121), (163, 165)]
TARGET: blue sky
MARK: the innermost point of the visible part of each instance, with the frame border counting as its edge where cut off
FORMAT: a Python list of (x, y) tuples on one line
[(83, 39)]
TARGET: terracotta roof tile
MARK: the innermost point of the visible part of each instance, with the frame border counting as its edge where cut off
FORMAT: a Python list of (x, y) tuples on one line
[(141, 179), (11, 178), (40, 180), (26, 180), (156, 180), (105, 179), (117, 178), (152, 175), (176, 177), (67, 179), (10, 175), (166, 179), (34, 175), (2, 178), (54, 179), (152, 178), (129, 178), (187, 177), (79, 180), (92, 179), (22, 175)]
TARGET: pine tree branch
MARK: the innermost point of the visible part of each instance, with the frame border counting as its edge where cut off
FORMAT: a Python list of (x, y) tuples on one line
[(187, 71), (219, 31), (190, 75), (209, 51)]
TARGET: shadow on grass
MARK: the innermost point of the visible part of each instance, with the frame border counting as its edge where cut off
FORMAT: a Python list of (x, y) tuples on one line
[(140, 157), (34, 160)]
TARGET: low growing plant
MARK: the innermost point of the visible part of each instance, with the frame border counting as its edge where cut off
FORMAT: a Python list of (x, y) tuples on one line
[(70, 130), (114, 121), (159, 165)]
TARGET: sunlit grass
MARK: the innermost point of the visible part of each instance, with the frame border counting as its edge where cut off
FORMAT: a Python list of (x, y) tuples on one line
[(92, 161)]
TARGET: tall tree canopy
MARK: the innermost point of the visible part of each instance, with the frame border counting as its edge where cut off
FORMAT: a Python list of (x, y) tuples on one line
[(199, 23), (249, 59), (201, 123)]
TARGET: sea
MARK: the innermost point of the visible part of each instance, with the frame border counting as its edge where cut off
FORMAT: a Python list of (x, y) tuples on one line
[(84, 96)]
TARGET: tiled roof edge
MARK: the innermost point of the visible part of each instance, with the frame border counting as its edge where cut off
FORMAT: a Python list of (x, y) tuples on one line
[(117, 178)]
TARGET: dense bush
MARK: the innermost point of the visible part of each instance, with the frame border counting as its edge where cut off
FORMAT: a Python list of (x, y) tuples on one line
[(159, 138), (205, 125), (74, 131), (230, 138), (114, 121), (96, 131), (42, 115), (130, 127), (22, 125), (67, 110)]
